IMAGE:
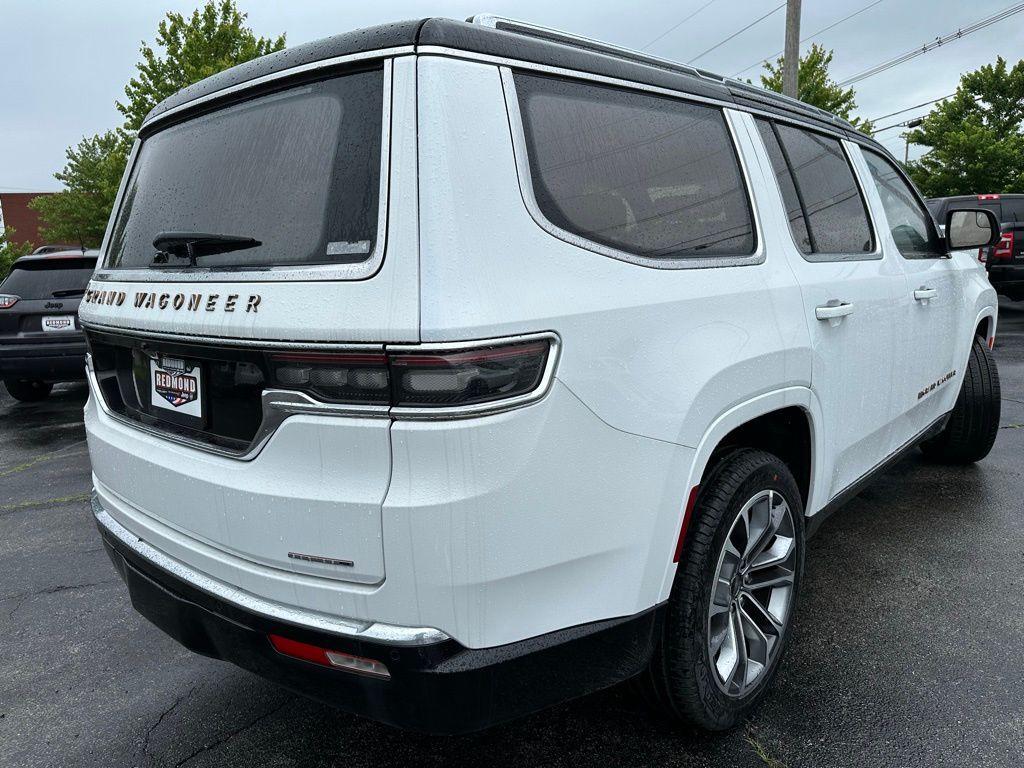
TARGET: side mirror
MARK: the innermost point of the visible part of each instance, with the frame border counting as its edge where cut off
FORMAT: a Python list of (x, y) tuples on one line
[(971, 228)]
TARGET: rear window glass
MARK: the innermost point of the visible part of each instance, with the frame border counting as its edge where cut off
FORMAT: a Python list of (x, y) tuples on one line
[(1013, 209), (297, 170), (46, 279), (651, 176), (837, 219)]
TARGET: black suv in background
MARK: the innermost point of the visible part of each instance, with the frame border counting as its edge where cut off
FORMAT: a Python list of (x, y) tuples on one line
[(41, 341), (1004, 261)]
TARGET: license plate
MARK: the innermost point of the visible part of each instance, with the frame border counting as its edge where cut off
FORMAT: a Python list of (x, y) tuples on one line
[(58, 323), (177, 385)]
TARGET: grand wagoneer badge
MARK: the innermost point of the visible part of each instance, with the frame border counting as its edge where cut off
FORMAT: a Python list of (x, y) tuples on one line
[(188, 302)]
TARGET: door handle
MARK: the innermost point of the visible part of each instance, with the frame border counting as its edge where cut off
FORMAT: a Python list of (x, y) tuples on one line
[(834, 311), (924, 293)]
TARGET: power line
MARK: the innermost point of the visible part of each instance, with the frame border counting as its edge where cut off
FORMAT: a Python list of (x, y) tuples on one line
[(813, 35), (916, 106), (939, 41), (736, 34), (674, 27)]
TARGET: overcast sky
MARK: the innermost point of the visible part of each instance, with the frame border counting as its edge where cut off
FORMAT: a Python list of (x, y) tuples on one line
[(63, 63)]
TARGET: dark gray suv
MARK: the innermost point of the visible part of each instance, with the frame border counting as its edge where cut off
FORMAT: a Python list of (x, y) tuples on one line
[(41, 341)]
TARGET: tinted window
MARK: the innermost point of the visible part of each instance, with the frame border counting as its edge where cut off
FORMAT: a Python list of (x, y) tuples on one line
[(837, 218), (1013, 209), (652, 176), (790, 196), (297, 170), (44, 279), (909, 222)]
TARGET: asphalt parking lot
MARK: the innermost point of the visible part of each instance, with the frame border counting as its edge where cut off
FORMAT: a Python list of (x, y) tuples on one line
[(907, 649)]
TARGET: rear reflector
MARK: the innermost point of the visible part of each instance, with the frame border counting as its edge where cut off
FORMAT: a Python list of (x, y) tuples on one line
[(327, 658), (687, 514), (7, 301), (991, 342)]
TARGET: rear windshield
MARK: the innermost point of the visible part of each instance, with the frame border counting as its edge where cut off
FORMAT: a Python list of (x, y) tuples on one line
[(297, 171), (49, 278)]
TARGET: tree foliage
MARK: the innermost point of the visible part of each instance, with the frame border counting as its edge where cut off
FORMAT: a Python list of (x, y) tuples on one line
[(79, 213), (815, 86), (975, 138), (207, 42), (10, 250), (187, 49)]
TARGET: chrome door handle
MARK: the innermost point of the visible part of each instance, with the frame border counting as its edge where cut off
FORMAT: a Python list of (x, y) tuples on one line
[(834, 311), (924, 293)]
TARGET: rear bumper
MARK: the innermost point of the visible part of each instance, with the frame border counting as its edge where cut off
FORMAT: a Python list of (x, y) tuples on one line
[(1009, 278), (49, 361), (437, 687)]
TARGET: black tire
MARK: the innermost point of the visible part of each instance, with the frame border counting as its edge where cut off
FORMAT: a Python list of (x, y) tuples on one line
[(681, 680), (974, 423), (28, 390)]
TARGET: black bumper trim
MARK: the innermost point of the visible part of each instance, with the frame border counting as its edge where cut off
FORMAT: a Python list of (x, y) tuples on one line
[(438, 688), (48, 361)]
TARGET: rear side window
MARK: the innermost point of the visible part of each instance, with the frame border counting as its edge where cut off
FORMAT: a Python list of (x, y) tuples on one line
[(652, 176), (909, 221), (297, 170), (1013, 209), (835, 218), (49, 278)]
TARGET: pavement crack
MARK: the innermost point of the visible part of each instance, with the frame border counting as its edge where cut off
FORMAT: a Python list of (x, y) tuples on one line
[(60, 453), (231, 734), (56, 501), (22, 597), (149, 733), (1013, 426)]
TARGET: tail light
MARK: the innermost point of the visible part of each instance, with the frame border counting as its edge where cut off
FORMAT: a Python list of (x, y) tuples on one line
[(7, 301), (982, 256), (445, 378), (1003, 250)]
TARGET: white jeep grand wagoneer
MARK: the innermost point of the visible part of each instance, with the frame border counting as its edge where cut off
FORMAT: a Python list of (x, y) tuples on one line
[(443, 371)]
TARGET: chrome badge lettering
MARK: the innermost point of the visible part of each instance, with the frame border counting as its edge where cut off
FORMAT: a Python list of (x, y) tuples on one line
[(177, 302)]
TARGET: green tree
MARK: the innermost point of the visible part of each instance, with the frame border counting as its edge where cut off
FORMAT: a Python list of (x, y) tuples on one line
[(79, 213), (207, 42), (10, 250), (975, 138), (187, 49), (816, 87)]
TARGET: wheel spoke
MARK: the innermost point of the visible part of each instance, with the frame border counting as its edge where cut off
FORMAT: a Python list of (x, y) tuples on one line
[(773, 517), (755, 610), (739, 672), (779, 551), (762, 578), (758, 643)]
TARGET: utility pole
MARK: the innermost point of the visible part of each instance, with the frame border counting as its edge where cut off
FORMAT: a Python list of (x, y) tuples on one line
[(915, 123), (791, 62)]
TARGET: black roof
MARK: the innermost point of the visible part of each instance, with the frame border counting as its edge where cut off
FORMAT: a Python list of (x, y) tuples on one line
[(75, 253), (551, 50)]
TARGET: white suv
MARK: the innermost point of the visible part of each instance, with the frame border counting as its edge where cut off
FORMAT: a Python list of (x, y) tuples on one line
[(443, 370)]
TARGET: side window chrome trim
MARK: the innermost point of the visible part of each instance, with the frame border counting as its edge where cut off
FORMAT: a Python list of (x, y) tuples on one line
[(309, 272), (526, 190)]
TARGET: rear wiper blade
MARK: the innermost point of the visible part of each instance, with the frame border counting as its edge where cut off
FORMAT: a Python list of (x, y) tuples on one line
[(193, 245), (67, 293)]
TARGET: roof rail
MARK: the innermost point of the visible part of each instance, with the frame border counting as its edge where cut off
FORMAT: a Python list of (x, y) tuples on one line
[(506, 24), (588, 43)]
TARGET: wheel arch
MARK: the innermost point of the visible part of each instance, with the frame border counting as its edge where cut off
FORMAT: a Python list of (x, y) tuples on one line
[(761, 423)]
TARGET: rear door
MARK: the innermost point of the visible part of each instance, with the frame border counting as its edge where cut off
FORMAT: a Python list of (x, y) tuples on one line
[(849, 288), (931, 329)]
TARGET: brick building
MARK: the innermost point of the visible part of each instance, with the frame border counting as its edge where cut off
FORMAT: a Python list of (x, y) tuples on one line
[(15, 214)]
